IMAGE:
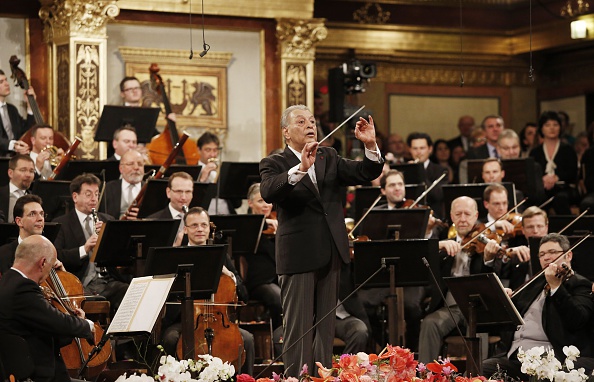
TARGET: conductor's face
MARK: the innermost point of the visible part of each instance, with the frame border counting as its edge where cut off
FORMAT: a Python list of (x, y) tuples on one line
[(464, 214), (301, 129), (197, 228)]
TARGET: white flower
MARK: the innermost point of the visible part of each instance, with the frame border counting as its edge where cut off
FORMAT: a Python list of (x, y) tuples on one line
[(362, 358)]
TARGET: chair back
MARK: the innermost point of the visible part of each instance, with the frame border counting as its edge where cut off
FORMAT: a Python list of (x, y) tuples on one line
[(15, 358)]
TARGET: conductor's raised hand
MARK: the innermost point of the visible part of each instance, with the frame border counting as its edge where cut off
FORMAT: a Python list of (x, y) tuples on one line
[(365, 132), (308, 156)]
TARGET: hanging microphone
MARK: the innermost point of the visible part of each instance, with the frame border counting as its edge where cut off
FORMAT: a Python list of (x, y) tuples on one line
[(205, 46), (191, 45)]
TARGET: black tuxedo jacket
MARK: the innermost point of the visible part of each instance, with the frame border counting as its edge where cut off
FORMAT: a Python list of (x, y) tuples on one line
[(481, 152), (566, 316), (311, 221), (26, 313), (435, 196), (4, 198), (165, 213), (70, 237), (112, 198), (19, 127), (7, 255)]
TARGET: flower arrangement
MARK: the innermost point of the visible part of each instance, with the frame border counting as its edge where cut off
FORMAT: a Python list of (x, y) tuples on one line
[(204, 369), (542, 364)]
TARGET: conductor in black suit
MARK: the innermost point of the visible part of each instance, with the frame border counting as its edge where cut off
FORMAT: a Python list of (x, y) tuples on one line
[(78, 236), (25, 312), (120, 193), (12, 125), (304, 182)]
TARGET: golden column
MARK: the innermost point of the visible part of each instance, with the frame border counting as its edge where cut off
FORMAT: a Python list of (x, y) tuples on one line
[(297, 39), (76, 33)]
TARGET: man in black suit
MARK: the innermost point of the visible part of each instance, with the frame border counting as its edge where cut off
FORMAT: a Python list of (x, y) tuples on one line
[(12, 125), (465, 125), (493, 126), (120, 193), (21, 172), (421, 147), (78, 236), (180, 190), (124, 139), (42, 136), (557, 316), (304, 182), (25, 312), (30, 218)]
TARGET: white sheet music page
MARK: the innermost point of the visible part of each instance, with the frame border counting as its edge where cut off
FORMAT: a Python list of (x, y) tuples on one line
[(141, 305)]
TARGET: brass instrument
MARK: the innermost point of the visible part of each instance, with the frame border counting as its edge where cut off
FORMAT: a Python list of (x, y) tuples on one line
[(452, 232), (215, 161), (54, 157)]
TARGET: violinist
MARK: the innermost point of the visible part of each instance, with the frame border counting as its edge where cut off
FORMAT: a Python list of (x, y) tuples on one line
[(25, 312), (12, 125), (197, 227), (261, 279), (553, 319), (120, 193), (438, 323), (42, 137), (30, 218)]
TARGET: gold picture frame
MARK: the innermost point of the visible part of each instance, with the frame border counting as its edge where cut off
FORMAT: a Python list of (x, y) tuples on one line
[(197, 89)]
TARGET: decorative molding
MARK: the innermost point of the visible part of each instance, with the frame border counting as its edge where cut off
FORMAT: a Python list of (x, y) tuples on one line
[(296, 85), (172, 56), (87, 100), (63, 86), (371, 13), (82, 18), (297, 37)]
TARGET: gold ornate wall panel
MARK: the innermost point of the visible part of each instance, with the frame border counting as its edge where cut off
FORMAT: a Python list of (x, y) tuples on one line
[(62, 90), (87, 100)]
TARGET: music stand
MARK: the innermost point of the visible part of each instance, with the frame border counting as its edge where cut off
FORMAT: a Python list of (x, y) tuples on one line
[(365, 196), (122, 242), (4, 179), (10, 232), (582, 261), (474, 191), (193, 170), (143, 119), (155, 197), (235, 178), (414, 173), (584, 225), (56, 196), (242, 231), (484, 303), (76, 167), (198, 269), (408, 270), (383, 224)]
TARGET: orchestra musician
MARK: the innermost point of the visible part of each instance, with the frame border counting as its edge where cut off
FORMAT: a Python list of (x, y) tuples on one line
[(124, 139), (438, 323), (197, 227), (25, 312), (30, 218), (78, 236), (42, 137), (21, 172), (180, 191), (304, 182), (120, 193), (12, 125), (553, 319)]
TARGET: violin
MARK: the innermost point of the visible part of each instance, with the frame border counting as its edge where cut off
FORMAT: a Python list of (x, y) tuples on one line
[(160, 147), (270, 230), (476, 240), (409, 203), (516, 220), (215, 332), (65, 292)]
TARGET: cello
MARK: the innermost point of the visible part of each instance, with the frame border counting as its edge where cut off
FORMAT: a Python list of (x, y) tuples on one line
[(160, 147), (66, 292)]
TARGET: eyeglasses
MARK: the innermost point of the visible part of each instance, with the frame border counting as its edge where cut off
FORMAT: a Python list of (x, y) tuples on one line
[(132, 89), (508, 148), (552, 253), (183, 192)]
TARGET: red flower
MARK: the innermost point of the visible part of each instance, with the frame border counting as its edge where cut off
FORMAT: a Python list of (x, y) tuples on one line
[(246, 378)]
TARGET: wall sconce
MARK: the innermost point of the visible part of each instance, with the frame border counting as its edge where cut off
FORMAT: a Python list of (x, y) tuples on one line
[(579, 29)]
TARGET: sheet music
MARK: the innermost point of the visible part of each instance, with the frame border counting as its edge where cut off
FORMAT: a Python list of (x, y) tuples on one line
[(141, 305)]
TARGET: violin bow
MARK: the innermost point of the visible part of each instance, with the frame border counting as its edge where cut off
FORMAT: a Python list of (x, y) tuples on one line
[(523, 286), (435, 182), (492, 223), (573, 221), (376, 201)]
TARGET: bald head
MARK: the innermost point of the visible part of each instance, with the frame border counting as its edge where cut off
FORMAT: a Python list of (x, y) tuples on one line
[(35, 257), (466, 202), (464, 213)]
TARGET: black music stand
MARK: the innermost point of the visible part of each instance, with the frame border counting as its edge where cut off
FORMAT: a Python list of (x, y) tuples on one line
[(242, 232), (56, 196), (235, 179), (155, 197), (97, 167), (581, 227), (484, 303), (198, 269), (582, 261), (193, 170), (408, 270), (365, 196), (474, 191), (386, 224), (10, 232), (4, 179), (414, 173), (126, 242), (143, 119)]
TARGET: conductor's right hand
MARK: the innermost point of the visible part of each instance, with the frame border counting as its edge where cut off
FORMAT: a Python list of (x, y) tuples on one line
[(308, 156)]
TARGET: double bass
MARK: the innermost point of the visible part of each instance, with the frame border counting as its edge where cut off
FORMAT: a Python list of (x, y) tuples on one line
[(160, 147)]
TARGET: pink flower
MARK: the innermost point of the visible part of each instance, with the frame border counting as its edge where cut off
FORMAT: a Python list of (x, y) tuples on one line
[(245, 378)]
